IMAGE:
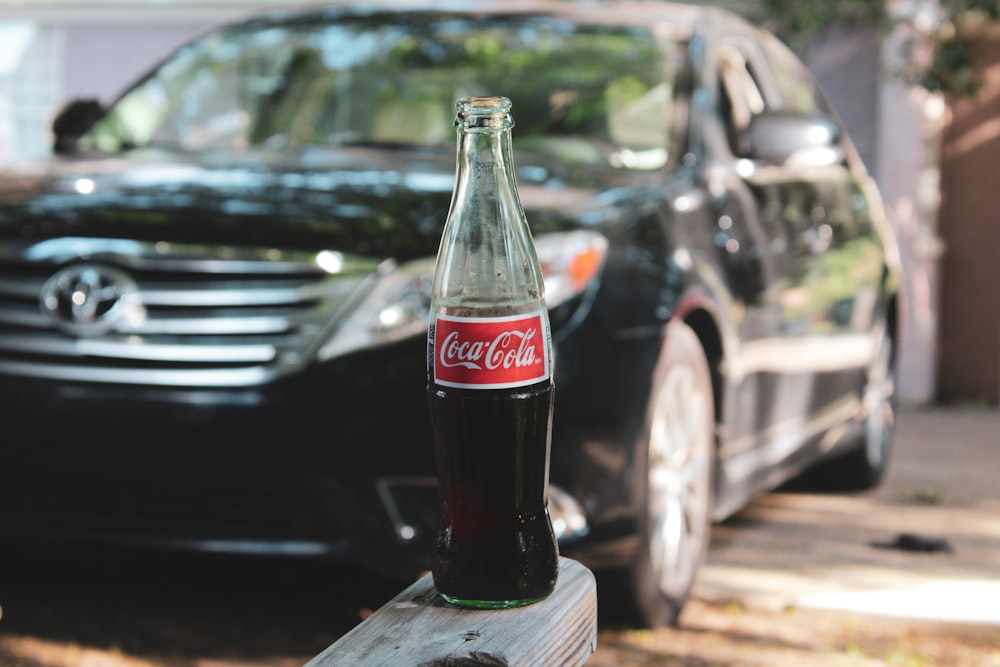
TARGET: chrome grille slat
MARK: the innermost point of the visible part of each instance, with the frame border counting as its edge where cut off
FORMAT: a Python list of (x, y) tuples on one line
[(215, 377), (25, 288), (24, 317), (208, 326), (174, 326), (233, 296), (133, 350), (205, 316)]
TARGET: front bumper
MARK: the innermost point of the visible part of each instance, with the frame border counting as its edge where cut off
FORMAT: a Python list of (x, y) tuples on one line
[(298, 467)]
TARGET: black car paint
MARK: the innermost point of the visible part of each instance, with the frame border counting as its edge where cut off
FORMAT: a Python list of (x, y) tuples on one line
[(296, 430)]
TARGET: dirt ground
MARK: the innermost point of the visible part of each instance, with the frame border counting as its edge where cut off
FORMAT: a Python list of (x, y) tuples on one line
[(731, 635), (797, 579)]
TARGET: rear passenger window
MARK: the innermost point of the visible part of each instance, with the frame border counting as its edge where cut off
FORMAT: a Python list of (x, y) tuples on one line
[(798, 91), (740, 97)]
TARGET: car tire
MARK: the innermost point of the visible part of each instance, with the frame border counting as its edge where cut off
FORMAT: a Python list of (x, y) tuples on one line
[(674, 479), (864, 466)]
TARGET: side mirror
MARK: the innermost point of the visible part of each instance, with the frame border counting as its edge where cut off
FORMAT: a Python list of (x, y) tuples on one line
[(72, 121), (786, 138)]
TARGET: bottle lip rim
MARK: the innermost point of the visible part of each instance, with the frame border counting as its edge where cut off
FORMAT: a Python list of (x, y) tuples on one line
[(484, 105), (485, 112)]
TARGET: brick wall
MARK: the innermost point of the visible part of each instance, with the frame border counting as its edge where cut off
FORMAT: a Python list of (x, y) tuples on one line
[(969, 361)]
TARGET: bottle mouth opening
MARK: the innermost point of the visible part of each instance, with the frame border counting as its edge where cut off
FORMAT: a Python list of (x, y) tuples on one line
[(483, 112)]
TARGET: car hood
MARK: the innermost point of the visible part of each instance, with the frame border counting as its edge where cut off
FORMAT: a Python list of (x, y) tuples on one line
[(376, 203)]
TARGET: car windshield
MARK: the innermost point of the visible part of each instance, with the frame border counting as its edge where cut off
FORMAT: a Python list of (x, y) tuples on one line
[(587, 92)]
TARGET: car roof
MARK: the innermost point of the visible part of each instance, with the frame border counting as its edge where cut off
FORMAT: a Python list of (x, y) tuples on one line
[(676, 19)]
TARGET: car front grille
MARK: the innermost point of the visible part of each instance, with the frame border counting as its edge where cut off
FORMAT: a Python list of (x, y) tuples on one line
[(127, 312)]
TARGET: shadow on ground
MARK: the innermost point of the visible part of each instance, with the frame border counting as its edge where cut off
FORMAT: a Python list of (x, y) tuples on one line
[(177, 610)]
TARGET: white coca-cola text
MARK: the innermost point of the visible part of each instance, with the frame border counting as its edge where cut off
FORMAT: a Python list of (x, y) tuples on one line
[(509, 349)]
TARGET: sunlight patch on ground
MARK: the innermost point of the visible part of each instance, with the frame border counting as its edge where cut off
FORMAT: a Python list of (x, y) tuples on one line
[(969, 601), (33, 651)]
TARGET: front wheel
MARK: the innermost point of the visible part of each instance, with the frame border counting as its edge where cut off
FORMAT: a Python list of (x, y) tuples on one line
[(675, 467)]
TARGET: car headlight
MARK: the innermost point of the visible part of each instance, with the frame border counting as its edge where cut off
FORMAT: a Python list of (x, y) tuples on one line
[(398, 305), (571, 262)]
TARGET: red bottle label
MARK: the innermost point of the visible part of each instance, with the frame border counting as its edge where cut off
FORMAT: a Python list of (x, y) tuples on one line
[(491, 352)]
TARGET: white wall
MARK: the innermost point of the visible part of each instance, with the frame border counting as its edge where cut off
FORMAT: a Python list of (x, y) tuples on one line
[(52, 51), (896, 131), (842, 63), (30, 74), (104, 58)]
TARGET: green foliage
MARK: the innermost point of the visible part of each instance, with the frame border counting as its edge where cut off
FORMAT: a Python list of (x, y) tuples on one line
[(952, 70), (798, 20), (952, 67), (955, 7)]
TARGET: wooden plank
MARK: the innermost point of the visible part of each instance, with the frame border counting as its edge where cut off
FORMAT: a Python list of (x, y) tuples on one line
[(419, 629)]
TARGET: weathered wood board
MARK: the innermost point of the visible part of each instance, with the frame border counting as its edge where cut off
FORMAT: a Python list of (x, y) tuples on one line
[(419, 629)]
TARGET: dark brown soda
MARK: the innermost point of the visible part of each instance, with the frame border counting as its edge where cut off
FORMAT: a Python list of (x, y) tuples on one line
[(495, 547)]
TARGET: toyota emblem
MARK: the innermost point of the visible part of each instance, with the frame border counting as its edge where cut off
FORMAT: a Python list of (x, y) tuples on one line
[(90, 299)]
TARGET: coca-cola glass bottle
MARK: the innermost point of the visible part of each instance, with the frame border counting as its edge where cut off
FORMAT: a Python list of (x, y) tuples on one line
[(490, 380)]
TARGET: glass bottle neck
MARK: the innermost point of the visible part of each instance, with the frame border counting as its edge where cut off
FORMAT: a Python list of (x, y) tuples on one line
[(484, 140), (485, 156)]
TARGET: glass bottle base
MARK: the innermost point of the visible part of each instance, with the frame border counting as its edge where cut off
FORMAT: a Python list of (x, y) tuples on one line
[(491, 604)]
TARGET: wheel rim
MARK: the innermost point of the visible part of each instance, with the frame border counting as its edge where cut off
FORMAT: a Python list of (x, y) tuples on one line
[(679, 479), (879, 399)]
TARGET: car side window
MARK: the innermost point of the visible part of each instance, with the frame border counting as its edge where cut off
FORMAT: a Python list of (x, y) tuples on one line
[(799, 92), (740, 97)]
